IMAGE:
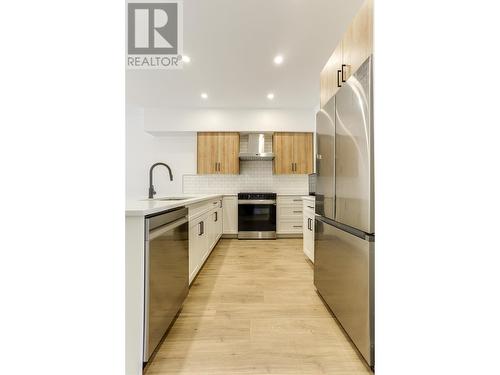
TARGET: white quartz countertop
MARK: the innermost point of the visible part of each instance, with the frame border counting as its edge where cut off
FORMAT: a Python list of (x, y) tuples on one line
[(148, 207)]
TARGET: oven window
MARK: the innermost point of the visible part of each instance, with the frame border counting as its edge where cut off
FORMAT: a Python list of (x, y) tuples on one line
[(257, 217)]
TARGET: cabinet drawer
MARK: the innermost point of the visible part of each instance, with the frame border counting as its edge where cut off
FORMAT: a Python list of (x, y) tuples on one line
[(200, 208), (292, 226), (290, 200), (308, 208), (290, 211)]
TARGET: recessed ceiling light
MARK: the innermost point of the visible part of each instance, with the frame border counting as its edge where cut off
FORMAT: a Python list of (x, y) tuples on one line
[(204, 95), (186, 59), (270, 96), (278, 60)]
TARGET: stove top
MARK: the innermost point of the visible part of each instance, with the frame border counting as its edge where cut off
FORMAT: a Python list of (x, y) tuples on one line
[(256, 195)]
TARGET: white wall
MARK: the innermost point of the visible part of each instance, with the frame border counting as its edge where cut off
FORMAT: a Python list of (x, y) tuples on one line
[(178, 150), (159, 120)]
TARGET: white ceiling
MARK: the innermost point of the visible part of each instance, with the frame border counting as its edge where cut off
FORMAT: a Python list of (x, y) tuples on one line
[(232, 44)]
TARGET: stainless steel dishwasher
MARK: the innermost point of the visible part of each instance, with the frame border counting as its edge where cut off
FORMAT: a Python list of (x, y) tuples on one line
[(166, 273)]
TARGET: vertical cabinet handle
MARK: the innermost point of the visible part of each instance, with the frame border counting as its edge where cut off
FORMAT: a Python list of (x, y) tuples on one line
[(216, 216), (199, 228), (343, 76), (338, 78)]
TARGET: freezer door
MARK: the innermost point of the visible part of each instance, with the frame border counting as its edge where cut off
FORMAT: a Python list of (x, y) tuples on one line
[(325, 160), (354, 151), (343, 275)]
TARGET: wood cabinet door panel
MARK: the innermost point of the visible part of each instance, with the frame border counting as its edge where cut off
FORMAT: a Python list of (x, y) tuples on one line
[(229, 149), (329, 75), (208, 155), (283, 153), (303, 153), (358, 39)]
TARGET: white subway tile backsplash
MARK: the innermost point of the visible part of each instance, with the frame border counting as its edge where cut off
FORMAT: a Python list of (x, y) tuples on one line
[(254, 176)]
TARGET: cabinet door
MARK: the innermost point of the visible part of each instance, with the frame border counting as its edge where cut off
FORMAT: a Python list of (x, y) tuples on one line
[(214, 227), (305, 234), (229, 149), (208, 156), (209, 235), (195, 242), (283, 153), (329, 83), (219, 222), (310, 239), (303, 153), (358, 41), (230, 215)]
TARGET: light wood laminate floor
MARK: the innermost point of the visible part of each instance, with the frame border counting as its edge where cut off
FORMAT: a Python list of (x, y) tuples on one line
[(254, 310)]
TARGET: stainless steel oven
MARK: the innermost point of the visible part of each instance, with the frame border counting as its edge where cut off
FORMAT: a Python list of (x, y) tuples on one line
[(256, 216)]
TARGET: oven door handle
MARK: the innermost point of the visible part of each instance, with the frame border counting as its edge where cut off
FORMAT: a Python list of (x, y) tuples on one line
[(256, 201)]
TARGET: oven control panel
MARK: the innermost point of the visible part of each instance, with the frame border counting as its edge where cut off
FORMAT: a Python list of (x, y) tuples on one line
[(259, 196)]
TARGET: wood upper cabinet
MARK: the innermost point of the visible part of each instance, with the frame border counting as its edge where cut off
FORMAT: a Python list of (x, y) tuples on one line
[(330, 76), (303, 153), (208, 145), (354, 48), (218, 152), (293, 153), (229, 149), (283, 153), (357, 43)]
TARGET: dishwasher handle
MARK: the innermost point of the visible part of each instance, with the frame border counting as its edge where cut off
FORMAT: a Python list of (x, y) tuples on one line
[(165, 228)]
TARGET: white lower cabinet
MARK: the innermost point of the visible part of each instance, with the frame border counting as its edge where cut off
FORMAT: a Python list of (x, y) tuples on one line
[(289, 215), (230, 215), (194, 246), (308, 228), (204, 232)]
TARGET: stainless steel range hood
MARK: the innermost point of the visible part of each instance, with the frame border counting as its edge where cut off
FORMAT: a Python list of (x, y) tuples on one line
[(256, 147)]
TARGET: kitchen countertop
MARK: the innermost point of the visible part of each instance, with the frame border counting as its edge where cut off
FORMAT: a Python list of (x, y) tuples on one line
[(148, 207)]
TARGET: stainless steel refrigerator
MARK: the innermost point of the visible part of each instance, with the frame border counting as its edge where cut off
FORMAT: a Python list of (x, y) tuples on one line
[(344, 242)]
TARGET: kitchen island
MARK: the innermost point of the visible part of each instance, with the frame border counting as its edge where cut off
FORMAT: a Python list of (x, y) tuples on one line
[(201, 209)]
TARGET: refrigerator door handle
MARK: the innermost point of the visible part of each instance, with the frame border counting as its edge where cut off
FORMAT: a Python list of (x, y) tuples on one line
[(346, 228)]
